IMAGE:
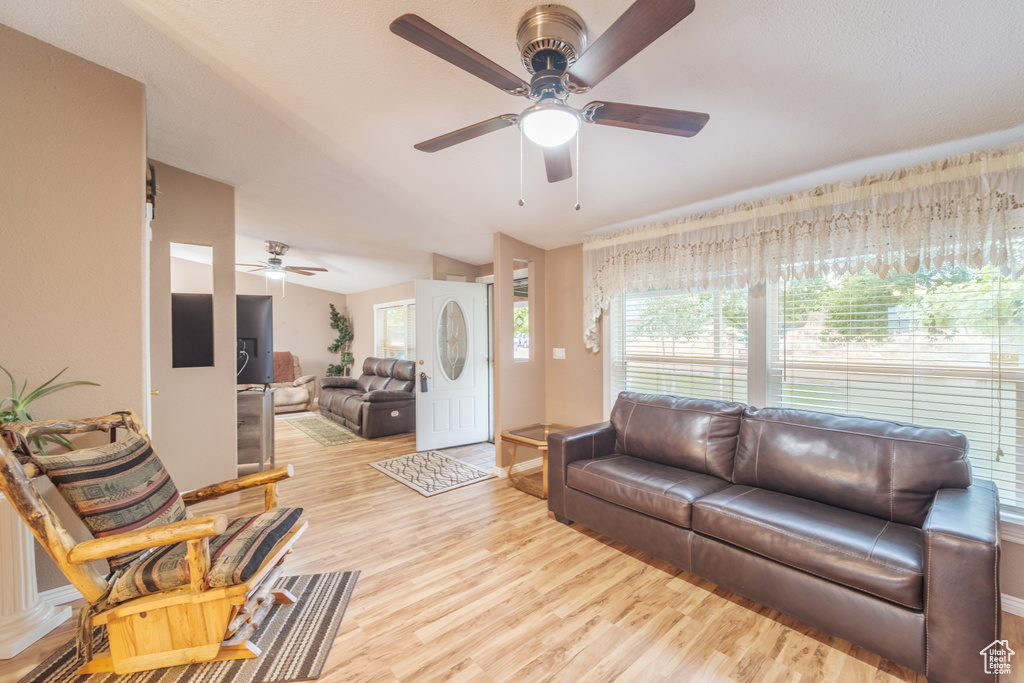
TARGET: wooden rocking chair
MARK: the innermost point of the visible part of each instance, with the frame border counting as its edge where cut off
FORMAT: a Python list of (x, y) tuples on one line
[(165, 603)]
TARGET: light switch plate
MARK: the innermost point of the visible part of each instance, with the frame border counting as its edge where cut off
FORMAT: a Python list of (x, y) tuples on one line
[(558, 354)]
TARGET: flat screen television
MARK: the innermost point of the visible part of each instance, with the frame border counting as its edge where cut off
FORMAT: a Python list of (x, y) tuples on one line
[(191, 330), (254, 315)]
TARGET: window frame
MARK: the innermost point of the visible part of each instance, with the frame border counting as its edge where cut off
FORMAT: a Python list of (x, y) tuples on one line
[(409, 348)]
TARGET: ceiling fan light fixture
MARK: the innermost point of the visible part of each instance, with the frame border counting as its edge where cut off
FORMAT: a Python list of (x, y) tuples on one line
[(275, 274), (550, 123)]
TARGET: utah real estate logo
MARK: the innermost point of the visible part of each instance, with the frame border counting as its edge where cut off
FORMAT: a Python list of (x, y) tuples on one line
[(997, 657)]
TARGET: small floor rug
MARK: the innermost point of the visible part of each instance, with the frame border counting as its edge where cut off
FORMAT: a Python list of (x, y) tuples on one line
[(324, 430), (431, 472), (295, 640), (292, 416)]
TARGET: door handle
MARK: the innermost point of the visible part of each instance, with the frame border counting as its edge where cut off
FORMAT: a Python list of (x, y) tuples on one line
[(154, 392), (423, 382)]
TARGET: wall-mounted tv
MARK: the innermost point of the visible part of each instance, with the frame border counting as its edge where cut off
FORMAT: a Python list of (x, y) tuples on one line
[(254, 315)]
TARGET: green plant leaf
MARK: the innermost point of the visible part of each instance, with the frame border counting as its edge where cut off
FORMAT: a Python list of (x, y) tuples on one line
[(41, 391), (14, 385), (41, 386), (58, 439)]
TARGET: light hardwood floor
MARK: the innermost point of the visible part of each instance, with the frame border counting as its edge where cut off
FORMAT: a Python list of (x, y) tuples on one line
[(480, 584)]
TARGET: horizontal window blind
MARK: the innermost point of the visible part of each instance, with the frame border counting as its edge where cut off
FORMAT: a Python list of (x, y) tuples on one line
[(692, 344), (938, 348)]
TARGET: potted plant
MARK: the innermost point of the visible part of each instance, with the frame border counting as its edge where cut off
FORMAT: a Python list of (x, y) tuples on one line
[(340, 323), (14, 408)]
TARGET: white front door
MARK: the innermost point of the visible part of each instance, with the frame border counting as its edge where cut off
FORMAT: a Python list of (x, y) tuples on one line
[(451, 348)]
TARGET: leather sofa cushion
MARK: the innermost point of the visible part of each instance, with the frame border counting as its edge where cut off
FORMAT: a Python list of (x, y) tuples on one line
[(886, 469), (334, 399), (879, 557), (352, 409), (648, 487), (694, 434)]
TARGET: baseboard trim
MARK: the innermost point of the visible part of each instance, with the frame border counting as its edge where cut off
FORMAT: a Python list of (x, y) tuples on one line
[(60, 595), (1013, 605), (502, 472)]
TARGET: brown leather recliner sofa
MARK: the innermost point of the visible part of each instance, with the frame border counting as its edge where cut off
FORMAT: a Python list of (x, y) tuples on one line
[(867, 529), (380, 403)]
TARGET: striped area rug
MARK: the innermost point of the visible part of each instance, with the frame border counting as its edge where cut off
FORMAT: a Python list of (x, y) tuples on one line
[(295, 640)]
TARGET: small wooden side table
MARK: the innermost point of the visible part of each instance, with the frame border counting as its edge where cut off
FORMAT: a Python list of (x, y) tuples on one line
[(533, 436)]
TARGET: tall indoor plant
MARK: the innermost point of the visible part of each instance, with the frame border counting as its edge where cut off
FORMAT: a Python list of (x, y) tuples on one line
[(341, 345)]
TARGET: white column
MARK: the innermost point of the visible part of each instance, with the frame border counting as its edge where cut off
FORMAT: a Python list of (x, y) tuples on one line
[(24, 617)]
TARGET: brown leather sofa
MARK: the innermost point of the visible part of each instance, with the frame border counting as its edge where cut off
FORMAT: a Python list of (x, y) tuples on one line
[(867, 529), (380, 403)]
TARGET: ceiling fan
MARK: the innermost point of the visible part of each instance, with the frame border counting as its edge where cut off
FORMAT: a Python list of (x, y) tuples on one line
[(274, 268), (552, 40)]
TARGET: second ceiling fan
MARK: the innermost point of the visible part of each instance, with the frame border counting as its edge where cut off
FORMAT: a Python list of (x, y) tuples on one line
[(552, 40)]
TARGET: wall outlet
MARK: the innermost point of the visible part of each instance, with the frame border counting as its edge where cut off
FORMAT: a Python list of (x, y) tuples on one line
[(558, 354)]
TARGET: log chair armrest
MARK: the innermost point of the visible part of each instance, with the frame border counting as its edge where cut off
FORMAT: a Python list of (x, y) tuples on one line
[(961, 564), (305, 379), (266, 479), (575, 444), (150, 537)]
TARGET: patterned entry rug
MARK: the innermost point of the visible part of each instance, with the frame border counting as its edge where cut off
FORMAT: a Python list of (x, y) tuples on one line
[(324, 430), (295, 640), (430, 472)]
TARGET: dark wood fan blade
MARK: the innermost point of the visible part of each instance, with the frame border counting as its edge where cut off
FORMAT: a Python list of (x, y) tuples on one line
[(251, 265), (422, 33), (467, 133), (651, 119), (638, 27), (306, 270), (299, 271), (558, 162)]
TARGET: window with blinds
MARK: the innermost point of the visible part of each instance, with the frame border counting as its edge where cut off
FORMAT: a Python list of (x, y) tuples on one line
[(395, 330), (938, 348), (692, 344)]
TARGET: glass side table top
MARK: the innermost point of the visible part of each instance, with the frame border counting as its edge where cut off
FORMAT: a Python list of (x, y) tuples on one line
[(537, 432)]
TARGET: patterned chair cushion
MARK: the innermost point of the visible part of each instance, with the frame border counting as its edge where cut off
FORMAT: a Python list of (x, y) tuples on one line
[(115, 488), (235, 556)]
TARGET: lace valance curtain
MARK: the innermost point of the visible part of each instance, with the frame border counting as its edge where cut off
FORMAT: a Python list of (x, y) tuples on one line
[(962, 211)]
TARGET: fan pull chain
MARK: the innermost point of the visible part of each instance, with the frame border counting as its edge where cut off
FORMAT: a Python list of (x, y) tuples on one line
[(578, 169), (521, 202)]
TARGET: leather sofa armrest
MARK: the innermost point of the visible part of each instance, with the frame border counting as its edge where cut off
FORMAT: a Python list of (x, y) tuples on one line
[(305, 379), (338, 383), (575, 444), (961, 564), (383, 395)]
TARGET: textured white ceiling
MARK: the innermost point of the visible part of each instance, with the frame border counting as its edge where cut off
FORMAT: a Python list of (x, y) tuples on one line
[(311, 110)]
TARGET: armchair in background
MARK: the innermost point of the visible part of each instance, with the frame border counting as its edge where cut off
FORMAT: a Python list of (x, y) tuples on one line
[(295, 392)]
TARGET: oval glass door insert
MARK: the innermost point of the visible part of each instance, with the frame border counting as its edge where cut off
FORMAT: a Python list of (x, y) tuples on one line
[(451, 340)]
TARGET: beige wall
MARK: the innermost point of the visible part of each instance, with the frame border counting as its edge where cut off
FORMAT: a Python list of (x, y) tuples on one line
[(302, 319), (445, 266), (575, 385), (519, 386), (193, 422), (360, 314), (72, 224)]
